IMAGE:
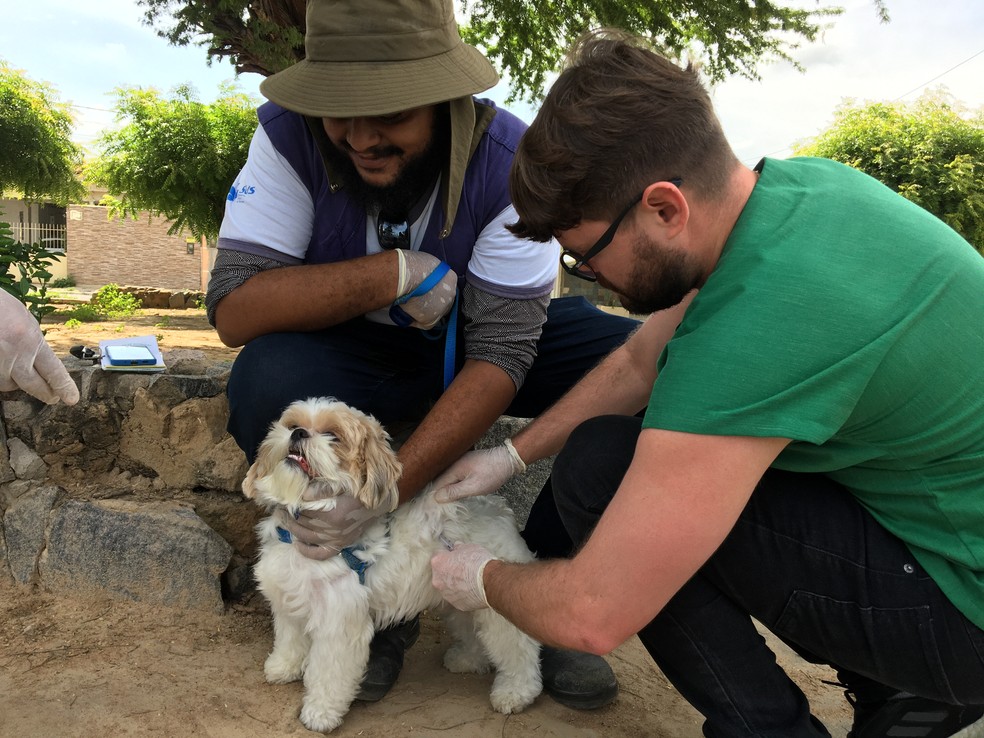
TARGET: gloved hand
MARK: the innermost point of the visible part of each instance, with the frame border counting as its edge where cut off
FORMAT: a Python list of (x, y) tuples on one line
[(26, 361), (478, 473), (457, 574), (319, 535), (426, 309)]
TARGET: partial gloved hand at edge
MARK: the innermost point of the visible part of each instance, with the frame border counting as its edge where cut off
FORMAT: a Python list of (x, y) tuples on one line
[(26, 360), (319, 535), (479, 473), (458, 575)]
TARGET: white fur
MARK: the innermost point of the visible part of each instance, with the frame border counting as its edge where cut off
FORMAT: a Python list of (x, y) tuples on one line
[(323, 617)]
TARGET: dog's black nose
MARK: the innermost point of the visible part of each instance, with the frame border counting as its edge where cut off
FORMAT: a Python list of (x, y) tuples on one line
[(299, 434)]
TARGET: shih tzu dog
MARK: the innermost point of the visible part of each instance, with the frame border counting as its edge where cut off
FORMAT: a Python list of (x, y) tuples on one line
[(325, 612)]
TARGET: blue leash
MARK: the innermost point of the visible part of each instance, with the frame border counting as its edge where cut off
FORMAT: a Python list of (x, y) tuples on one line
[(399, 316)]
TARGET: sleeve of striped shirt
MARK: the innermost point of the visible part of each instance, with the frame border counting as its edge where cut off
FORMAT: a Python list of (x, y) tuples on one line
[(502, 331)]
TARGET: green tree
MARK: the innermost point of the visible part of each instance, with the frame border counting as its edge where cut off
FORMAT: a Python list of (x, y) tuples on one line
[(526, 39), (175, 156), (37, 156), (927, 151)]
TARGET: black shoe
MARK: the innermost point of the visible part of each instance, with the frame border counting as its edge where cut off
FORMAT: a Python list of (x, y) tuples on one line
[(386, 658), (578, 680), (881, 712)]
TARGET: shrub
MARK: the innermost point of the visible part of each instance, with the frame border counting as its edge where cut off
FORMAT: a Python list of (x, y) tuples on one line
[(109, 303), (112, 302), (84, 314), (928, 151)]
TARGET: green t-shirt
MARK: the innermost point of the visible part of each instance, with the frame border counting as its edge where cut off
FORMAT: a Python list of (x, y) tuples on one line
[(851, 321)]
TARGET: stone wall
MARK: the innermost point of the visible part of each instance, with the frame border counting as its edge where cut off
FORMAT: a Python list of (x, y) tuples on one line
[(135, 491)]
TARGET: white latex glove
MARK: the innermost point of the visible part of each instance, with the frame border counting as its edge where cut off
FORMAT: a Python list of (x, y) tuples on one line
[(457, 574), (26, 361), (319, 535), (479, 473), (426, 309)]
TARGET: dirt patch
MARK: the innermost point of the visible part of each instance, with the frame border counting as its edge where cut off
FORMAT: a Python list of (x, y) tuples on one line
[(92, 667), (174, 329)]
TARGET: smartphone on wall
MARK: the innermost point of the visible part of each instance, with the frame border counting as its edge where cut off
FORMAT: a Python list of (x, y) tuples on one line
[(120, 355)]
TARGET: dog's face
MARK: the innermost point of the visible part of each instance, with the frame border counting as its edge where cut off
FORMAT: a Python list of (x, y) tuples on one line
[(319, 449)]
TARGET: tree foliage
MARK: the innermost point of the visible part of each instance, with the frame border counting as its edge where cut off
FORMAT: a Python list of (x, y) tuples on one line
[(174, 155), (526, 39), (927, 151), (37, 156), (262, 36)]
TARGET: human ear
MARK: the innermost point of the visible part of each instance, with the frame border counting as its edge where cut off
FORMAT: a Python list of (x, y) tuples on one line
[(666, 202)]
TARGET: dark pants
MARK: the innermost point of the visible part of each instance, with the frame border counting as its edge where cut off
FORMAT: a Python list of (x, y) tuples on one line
[(396, 374), (809, 563)]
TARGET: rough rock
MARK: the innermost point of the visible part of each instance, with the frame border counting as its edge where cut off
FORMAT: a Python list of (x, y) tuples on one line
[(24, 525), (162, 554)]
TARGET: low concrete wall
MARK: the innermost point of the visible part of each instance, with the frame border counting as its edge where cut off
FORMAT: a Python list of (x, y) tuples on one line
[(135, 491)]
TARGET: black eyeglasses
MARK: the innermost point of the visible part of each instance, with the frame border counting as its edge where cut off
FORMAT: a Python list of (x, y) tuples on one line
[(577, 266), (392, 233)]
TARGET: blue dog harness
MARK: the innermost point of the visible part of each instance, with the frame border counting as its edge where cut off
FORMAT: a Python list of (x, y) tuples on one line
[(348, 554)]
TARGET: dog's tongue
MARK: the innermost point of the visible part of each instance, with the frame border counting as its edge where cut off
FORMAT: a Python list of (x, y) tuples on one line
[(301, 462)]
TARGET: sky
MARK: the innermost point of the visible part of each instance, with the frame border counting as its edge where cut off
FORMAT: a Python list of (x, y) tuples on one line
[(85, 49)]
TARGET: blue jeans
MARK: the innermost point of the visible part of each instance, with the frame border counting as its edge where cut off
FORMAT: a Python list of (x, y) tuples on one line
[(809, 563), (396, 374)]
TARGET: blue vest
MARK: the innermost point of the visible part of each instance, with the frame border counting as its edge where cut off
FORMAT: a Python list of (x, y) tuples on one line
[(340, 224)]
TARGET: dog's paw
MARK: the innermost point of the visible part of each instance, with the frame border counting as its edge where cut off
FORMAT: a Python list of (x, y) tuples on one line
[(317, 718), (465, 659), (280, 670), (513, 695)]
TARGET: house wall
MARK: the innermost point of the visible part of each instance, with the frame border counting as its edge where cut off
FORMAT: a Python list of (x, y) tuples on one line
[(17, 211), (58, 268), (131, 252)]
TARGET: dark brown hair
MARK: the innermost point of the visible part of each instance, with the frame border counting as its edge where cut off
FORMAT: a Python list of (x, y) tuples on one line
[(619, 117)]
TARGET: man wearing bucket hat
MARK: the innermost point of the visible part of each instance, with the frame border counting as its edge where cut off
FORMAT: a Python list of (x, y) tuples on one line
[(364, 255)]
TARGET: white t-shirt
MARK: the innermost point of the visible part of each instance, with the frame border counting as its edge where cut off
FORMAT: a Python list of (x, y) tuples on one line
[(279, 215)]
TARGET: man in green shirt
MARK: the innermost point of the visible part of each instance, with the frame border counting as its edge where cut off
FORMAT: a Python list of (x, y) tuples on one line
[(812, 452)]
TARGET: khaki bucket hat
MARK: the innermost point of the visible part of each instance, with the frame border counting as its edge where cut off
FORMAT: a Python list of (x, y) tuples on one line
[(373, 57)]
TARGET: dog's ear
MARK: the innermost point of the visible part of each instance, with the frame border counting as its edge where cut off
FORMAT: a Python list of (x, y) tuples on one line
[(383, 472), (263, 465), (249, 483)]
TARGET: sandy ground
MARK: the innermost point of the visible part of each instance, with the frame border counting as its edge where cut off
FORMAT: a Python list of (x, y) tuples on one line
[(174, 329), (93, 667), (83, 666)]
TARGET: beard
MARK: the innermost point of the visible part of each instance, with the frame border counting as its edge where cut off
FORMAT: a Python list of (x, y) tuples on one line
[(662, 278), (415, 178)]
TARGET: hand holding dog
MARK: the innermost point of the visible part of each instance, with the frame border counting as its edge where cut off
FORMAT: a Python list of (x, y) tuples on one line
[(479, 473), (27, 361), (319, 535), (426, 309), (457, 575)]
